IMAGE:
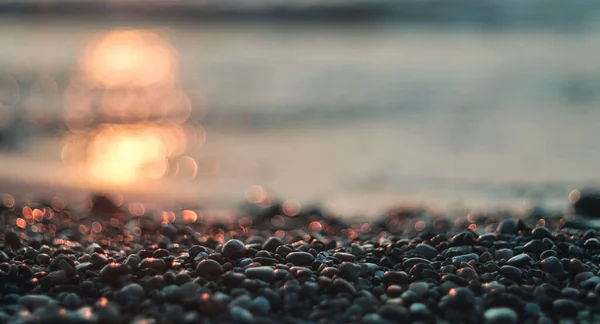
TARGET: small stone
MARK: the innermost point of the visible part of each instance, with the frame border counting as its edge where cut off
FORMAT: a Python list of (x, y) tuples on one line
[(465, 258), (461, 298), (300, 258), (345, 256), (234, 249), (240, 315), (532, 309), (266, 274), (520, 260), (566, 307), (548, 253), (508, 226), (468, 274), (35, 301), (395, 277), (553, 266), (510, 272), (209, 269), (592, 244), (341, 285), (463, 238), (350, 271), (535, 246), (161, 253), (153, 263), (133, 291), (419, 288), (394, 313), (504, 254), (112, 272), (357, 249), (541, 232), (261, 305), (500, 315), (410, 262)]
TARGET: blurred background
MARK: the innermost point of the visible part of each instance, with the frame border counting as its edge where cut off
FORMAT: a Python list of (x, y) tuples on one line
[(354, 106)]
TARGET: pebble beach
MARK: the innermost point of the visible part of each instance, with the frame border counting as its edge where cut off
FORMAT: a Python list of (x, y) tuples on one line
[(407, 266)]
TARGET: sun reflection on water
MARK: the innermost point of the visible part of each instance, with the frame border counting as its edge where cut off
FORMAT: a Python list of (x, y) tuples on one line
[(126, 111)]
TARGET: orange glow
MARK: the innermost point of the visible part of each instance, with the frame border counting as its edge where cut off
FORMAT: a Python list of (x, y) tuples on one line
[(103, 301), (366, 227), (470, 218), (574, 196), (122, 154), (280, 234), (21, 223), (125, 110), (96, 227), (8, 201), (419, 226), (541, 222), (27, 212), (291, 207), (137, 209), (315, 226), (127, 57), (473, 227), (38, 215), (255, 194), (189, 216), (187, 167), (83, 229)]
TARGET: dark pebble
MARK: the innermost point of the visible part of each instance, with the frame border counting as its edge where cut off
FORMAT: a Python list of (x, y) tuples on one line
[(500, 315), (345, 256), (426, 251), (520, 260), (565, 307), (300, 258), (541, 233), (209, 269), (154, 264), (266, 274), (234, 249), (410, 262), (553, 266), (508, 226), (341, 285), (510, 272)]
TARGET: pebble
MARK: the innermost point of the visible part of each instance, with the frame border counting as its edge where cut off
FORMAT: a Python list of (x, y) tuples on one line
[(565, 307), (465, 258), (520, 260), (504, 254), (35, 301), (300, 258), (541, 233), (234, 249), (510, 272), (508, 226), (345, 256), (553, 266), (209, 269), (388, 275), (500, 315), (266, 274), (240, 315)]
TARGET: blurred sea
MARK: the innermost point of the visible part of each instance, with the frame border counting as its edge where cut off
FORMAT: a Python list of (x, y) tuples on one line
[(448, 103)]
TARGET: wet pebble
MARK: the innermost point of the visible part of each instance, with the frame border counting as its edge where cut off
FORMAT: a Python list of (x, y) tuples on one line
[(500, 315), (233, 249), (300, 258)]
